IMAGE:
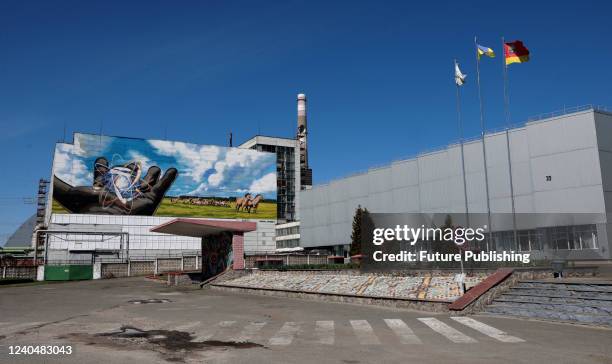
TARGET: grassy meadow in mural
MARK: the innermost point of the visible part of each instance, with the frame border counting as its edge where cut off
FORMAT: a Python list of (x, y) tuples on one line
[(265, 211)]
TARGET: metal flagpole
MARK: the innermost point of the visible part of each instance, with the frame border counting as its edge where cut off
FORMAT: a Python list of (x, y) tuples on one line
[(460, 121), (506, 96), (484, 149), (507, 111), (467, 215)]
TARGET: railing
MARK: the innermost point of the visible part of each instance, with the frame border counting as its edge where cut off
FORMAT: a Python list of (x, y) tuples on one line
[(568, 110)]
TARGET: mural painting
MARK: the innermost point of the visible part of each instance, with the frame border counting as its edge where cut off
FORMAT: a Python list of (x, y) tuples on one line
[(124, 176)]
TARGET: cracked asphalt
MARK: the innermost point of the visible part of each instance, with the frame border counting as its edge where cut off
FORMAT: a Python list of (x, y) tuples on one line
[(139, 321)]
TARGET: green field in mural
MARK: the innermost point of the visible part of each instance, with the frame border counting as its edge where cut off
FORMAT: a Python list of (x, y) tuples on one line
[(265, 210)]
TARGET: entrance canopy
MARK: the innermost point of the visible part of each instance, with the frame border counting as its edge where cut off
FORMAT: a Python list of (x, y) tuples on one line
[(199, 228)]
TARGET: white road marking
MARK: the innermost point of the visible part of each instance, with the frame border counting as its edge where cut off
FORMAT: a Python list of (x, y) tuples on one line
[(450, 333), (250, 330), (487, 330), (285, 335), (209, 334), (325, 332), (187, 326), (405, 333), (364, 332)]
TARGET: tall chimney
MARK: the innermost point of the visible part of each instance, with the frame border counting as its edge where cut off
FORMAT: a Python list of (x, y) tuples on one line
[(302, 136)]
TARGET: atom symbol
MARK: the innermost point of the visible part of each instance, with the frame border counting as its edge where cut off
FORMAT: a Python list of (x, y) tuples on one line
[(122, 183)]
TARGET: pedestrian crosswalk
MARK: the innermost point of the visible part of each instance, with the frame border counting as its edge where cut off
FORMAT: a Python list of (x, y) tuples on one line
[(364, 332), (457, 329), (285, 335), (405, 333), (488, 330), (250, 331), (210, 333), (443, 329), (325, 332)]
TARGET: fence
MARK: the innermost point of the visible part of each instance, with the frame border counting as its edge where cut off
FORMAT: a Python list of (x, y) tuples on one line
[(252, 261), (147, 267), (18, 272)]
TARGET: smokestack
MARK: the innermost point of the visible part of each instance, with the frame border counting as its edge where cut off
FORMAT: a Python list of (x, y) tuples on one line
[(302, 136), (302, 132), (301, 112)]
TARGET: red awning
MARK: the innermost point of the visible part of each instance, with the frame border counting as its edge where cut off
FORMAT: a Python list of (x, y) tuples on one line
[(203, 227)]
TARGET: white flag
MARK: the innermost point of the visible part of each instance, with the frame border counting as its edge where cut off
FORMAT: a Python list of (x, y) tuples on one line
[(459, 77)]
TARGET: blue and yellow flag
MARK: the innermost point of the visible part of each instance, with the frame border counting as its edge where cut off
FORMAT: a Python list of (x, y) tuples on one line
[(480, 50)]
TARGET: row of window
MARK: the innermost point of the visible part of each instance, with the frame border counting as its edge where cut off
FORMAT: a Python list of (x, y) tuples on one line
[(288, 231), (291, 243), (578, 237)]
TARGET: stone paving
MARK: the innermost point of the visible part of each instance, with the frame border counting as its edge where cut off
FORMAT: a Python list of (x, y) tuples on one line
[(424, 287)]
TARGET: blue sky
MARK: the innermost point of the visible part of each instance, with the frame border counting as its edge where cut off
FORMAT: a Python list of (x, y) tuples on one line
[(378, 75)]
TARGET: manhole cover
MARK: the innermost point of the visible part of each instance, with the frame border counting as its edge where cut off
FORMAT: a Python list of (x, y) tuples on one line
[(149, 300)]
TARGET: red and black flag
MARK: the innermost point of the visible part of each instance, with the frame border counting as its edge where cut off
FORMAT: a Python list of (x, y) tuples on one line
[(515, 52)]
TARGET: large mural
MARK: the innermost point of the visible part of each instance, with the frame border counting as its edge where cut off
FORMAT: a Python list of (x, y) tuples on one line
[(124, 176)]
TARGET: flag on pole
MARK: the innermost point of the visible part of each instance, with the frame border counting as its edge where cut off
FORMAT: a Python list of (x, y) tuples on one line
[(515, 52), (480, 50), (459, 76)]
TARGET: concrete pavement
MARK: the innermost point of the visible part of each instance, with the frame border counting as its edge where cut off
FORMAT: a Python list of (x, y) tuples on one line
[(141, 321)]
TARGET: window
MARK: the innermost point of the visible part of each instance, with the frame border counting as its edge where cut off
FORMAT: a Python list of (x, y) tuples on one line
[(574, 237), (529, 240), (586, 236), (560, 238)]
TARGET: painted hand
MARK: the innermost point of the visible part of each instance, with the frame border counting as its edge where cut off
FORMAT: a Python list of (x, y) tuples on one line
[(102, 199)]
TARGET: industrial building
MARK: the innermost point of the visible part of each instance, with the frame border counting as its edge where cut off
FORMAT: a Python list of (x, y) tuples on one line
[(69, 234), (118, 224), (553, 165), (287, 172)]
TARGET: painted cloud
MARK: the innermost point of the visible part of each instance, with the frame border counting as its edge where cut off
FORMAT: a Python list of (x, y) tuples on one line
[(204, 170)]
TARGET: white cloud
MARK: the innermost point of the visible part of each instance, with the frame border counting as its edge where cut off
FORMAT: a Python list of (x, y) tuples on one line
[(146, 162), (243, 157), (234, 158), (265, 184), (216, 178), (69, 168), (195, 160), (89, 145), (200, 190)]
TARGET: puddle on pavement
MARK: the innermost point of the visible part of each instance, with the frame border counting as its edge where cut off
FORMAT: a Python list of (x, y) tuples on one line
[(174, 345), (174, 340)]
